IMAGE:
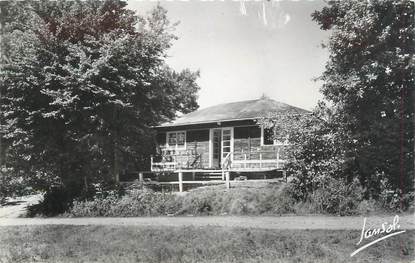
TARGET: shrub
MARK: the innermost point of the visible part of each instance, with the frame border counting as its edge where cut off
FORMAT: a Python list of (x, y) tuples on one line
[(367, 207), (284, 202), (333, 197), (12, 184), (337, 197), (396, 200), (326, 194), (60, 198), (305, 207), (135, 203), (55, 201), (268, 200), (216, 201)]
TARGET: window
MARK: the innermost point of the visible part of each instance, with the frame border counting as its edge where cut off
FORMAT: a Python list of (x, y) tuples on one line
[(176, 139), (267, 138)]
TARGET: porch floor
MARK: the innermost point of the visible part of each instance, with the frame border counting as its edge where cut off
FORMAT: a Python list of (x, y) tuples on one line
[(247, 170)]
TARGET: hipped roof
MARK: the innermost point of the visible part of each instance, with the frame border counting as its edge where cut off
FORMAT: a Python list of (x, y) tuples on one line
[(241, 110)]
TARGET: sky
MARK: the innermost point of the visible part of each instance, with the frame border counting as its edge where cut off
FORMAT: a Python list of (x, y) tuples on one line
[(248, 49)]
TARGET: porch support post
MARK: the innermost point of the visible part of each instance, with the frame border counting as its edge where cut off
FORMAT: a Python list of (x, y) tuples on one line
[(228, 183), (140, 177), (194, 176), (223, 175), (278, 158), (284, 173), (260, 160), (180, 181)]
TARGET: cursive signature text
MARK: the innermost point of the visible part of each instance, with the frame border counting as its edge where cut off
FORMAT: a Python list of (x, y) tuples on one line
[(390, 229)]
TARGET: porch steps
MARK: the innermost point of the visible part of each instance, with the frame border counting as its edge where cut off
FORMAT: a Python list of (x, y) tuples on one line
[(211, 175)]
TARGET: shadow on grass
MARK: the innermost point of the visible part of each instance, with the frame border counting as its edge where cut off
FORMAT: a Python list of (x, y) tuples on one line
[(12, 203)]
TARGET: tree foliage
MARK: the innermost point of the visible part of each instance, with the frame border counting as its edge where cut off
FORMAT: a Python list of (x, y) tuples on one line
[(365, 128), (369, 79), (83, 83), (314, 153)]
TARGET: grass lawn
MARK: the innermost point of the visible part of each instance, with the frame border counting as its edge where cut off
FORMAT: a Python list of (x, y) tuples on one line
[(190, 244)]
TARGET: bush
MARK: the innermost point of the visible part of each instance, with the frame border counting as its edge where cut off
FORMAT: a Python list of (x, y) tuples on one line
[(135, 203), (338, 197), (268, 200), (11, 184), (60, 198), (367, 207), (396, 200), (216, 201), (55, 201), (327, 195), (284, 202), (331, 197)]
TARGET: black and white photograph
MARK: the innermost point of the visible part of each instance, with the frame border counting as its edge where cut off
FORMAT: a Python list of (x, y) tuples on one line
[(228, 131)]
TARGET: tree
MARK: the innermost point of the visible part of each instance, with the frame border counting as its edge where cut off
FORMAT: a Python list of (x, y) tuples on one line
[(369, 80), (313, 152), (83, 83)]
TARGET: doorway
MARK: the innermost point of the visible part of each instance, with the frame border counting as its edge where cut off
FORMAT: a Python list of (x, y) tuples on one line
[(216, 148), (221, 145)]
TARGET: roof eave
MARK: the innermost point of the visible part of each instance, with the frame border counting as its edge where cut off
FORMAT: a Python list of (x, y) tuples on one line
[(202, 122)]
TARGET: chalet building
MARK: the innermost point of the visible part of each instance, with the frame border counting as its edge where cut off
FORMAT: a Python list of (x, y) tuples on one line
[(225, 136)]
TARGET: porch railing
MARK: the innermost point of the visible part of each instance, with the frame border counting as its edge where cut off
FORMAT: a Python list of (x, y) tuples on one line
[(235, 161), (173, 159), (226, 165), (262, 162), (227, 161), (162, 166)]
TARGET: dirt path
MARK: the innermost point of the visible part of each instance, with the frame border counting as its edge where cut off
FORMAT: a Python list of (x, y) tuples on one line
[(16, 207), (267, 222)]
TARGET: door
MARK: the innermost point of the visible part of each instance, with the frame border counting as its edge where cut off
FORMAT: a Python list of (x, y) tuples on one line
[(216, 148), (226, 143)]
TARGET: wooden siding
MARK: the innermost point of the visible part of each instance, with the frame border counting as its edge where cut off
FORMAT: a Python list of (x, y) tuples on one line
[(247, 146), (197, 143), (247, 140)]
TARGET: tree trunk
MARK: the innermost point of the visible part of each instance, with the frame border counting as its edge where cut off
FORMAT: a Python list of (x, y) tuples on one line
[(116, 162), (116, 153), (2, 11)]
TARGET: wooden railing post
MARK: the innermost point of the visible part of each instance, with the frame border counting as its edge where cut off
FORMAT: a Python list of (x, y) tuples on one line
[(260, 160), (151, 163), (278, 158), (140, 177), (180, 181), (245, 160)]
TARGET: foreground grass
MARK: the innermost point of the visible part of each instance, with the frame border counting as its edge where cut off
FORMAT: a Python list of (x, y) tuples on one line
[(190, 244)]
